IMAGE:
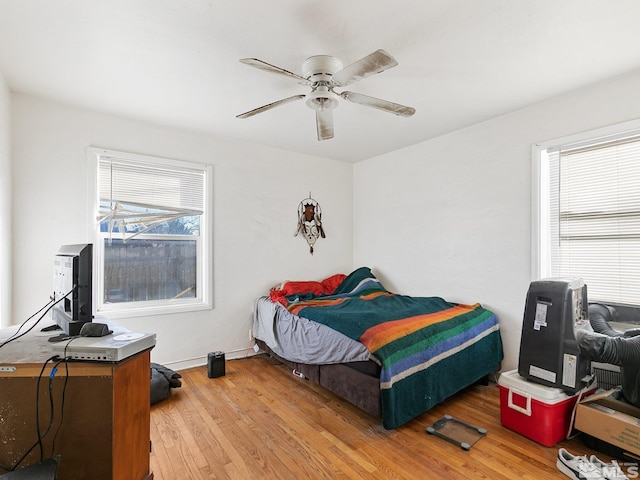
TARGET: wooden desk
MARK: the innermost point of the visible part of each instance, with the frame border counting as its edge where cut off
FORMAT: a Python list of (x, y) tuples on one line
[(104, 429)]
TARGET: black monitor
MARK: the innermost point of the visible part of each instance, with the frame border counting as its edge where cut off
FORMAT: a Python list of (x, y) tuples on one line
[(72, 287)]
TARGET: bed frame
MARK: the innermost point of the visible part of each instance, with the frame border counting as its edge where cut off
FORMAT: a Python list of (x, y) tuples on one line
[(355, 382)]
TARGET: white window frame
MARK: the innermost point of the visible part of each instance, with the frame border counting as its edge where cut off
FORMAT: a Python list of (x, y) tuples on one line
[(540, 209), (204, 275)]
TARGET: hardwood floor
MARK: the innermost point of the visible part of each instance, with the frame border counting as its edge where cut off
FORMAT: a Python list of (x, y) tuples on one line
[(261, 422)]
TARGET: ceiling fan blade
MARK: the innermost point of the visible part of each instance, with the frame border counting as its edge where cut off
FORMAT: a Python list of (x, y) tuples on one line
[(375, 62), (324, 124), (254, 62), (384, 105), (269, 106)]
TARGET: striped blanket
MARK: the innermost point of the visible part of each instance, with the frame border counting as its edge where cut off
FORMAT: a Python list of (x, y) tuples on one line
[(429, 348)]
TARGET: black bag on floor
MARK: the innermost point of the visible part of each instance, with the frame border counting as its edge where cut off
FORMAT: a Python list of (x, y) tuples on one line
[(163, 380)]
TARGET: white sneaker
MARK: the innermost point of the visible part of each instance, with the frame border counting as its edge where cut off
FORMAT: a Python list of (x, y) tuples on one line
[(578, 468), (610, 471)]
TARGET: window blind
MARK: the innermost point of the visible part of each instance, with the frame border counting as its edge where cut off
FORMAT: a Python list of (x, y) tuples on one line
[(595, 217), (145, 194), (151, 185)]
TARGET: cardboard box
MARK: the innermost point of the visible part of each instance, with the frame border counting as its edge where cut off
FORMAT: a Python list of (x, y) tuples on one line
[(536, 411), (604, 416)]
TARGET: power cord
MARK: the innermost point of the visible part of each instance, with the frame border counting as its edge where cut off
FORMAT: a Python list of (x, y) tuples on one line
[(62, 403), (47, 306), (41, 435), (588, 386)]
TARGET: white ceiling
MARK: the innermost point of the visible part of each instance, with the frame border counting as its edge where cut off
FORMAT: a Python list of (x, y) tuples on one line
[(175, 62)]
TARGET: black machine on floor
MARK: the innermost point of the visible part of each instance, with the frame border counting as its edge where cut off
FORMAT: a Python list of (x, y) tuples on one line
[(549, 352)]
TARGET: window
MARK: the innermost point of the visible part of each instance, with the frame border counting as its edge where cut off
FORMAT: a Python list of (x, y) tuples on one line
[(587, 212), (152, 244)]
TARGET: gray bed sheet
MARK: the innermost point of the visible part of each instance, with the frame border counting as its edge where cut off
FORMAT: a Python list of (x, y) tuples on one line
[(301, 340)]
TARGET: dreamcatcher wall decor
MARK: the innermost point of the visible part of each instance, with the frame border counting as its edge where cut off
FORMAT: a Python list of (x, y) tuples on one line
[(310, 221)]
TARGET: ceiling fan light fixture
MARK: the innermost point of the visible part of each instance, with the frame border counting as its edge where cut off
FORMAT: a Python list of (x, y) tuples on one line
[(322, 99)]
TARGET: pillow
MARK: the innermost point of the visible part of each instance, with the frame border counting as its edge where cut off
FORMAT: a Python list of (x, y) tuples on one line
[(325, 287)]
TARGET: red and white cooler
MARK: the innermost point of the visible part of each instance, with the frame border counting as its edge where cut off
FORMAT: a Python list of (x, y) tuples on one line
[(536, 411)]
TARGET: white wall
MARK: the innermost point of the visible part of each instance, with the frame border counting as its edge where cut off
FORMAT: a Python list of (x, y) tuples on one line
[(448, 217), (256, 195), (451, 217), (5, 204)]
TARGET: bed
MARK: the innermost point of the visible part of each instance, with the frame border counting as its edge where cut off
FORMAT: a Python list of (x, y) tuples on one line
[(394, 356)]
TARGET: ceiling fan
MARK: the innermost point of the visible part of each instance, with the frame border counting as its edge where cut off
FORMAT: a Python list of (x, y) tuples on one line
[(323, 73)]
